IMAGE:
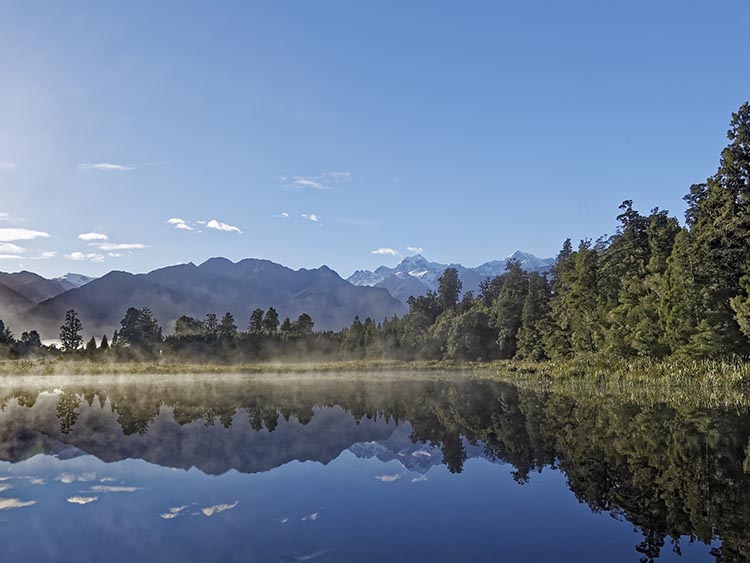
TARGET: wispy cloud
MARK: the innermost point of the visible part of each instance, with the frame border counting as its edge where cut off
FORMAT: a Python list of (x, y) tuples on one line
[(7, 165), (389, 478), (10, 248), (385, 251), (311, 517), (4, 217), (416, 249), (119, 245), (89, 237), (219, 226), (46, 255), (82, 500), (179, 224), (420, 479), (107, 167), (113, 489), (321, 182), (311, 217), (11, 234), (211, 510), (282, 215), (85, 257), (76, 477)]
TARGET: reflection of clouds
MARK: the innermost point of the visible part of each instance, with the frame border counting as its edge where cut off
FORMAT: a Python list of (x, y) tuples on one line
[(312, 517), (420, 478), (211, 510), (389, 478), (68, 478), (81, 500), (422, 453), (285, 519), (10, 503), (5, 487), (113, 489), (107, 479), (173, 512), (31, 480), (313, 555)]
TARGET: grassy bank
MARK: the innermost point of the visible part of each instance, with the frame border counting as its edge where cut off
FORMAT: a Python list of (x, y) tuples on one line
[(86, 367), (698, 383)]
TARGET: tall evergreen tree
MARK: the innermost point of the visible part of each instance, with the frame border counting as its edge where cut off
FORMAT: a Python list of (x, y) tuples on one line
[(255, 325), (449, 289), (70, 332)]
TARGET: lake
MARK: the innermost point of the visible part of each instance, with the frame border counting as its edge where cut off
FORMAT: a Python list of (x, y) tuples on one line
[(388, 467)]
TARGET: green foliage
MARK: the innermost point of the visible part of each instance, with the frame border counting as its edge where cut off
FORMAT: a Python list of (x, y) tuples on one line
[(70, 332), (139, 331), (449, 289)]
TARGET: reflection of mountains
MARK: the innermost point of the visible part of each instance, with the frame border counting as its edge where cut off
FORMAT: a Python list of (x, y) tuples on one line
[(212, 448), (414, 456), (669, 471)]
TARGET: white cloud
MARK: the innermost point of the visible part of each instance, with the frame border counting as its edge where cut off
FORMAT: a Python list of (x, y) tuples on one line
[(11, 234), (10, 503), (89, 237), (10, 248), (417, 249), (389, 478), (311, 217), (4, 217), (282, 215), (322, 182), (219, 226), (179, 224), (81, 500), (115, 254), (5, 486), (85, 257), (106, 166), (7, 165), (385, 251), (119, 246), (211, 510), (420, 478), (46, 255), (113, 489)]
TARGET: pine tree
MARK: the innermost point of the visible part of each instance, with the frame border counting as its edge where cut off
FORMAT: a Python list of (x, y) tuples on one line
[(70, 332)]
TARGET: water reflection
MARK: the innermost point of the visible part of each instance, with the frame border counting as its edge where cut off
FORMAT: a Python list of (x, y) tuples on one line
[(680, 476)]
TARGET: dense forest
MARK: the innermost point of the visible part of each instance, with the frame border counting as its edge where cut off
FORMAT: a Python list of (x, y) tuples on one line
[(654, 289)]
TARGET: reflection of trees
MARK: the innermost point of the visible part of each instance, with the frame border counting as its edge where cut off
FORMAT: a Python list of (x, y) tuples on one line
[(67, 411), (672, 472)]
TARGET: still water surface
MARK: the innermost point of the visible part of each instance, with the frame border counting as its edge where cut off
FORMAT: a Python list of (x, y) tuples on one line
[(386, 469)]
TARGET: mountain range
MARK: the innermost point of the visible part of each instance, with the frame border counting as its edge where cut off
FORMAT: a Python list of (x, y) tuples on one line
[(415, 275), (29, 301)]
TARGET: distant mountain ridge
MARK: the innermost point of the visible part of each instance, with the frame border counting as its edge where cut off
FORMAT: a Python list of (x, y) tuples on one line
[(216, 286), (415, 275), (30, 302)]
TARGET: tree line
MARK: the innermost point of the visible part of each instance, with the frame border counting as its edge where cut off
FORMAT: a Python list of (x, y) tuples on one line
[(654, 289)]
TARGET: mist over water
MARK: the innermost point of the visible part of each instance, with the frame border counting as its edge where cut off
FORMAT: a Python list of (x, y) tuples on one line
[(386, 467)]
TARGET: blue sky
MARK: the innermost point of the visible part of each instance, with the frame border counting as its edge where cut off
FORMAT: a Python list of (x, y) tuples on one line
[(326, 130)]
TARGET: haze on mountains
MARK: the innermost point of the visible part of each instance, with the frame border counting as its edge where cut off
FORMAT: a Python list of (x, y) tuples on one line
[(31, 302)]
